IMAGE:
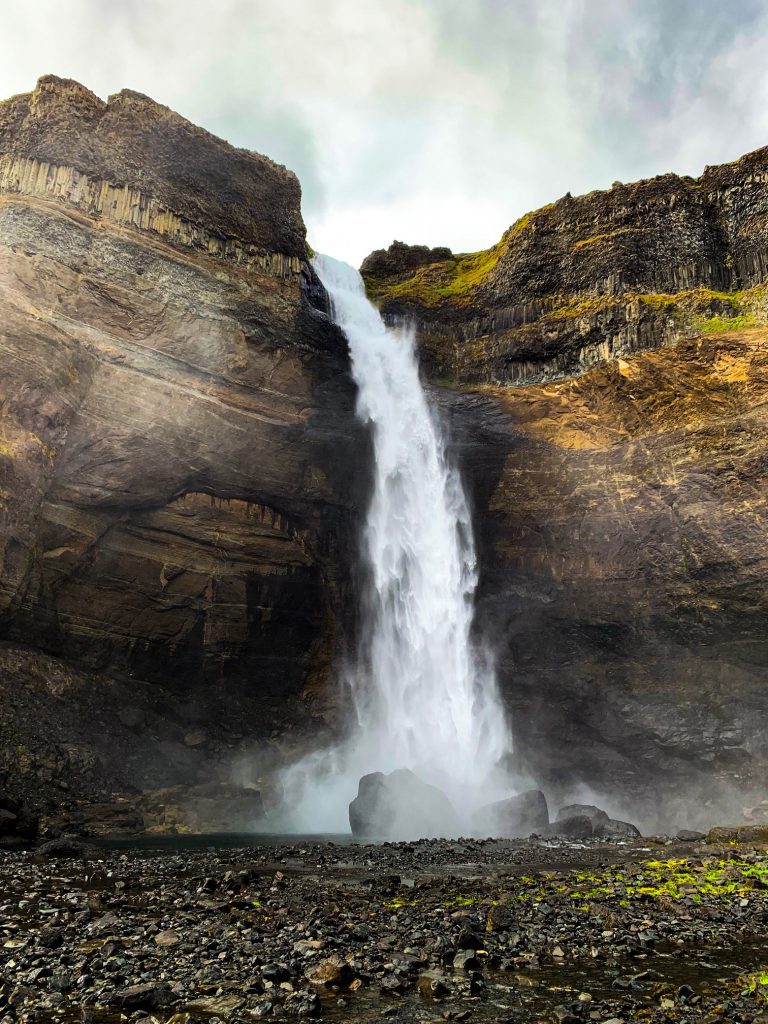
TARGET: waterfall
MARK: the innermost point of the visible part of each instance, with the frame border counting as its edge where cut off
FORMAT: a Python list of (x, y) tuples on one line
[(423, 697)]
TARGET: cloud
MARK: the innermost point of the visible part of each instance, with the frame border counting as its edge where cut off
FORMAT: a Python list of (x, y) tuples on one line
[(436, 121)]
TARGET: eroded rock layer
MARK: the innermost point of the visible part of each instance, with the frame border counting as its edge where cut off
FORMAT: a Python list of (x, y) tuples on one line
[(623, 520), (604, 372), (178, 450), (588, 277)]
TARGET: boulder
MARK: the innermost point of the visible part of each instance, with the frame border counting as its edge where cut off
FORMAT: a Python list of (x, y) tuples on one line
[(331, 972), (17, 825), (582, 811), (577, 827), (513, 818), (615, 829), (738, 834), (603, 826), (400, 806), (687, 835), (433, 984)]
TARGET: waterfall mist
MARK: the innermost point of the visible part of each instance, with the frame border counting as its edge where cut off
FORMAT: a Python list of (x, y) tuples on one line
[(423, 696)]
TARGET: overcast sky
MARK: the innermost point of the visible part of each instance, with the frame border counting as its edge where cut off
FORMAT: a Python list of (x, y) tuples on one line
[(434, 121)]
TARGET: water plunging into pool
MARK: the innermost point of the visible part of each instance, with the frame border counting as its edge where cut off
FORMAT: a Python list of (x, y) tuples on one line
[(424, 696)]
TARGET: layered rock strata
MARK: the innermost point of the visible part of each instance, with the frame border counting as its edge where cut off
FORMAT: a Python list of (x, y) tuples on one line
[(588, 278), (178, 451)]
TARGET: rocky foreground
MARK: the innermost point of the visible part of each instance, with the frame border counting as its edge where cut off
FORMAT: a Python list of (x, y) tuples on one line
[(471, 930)]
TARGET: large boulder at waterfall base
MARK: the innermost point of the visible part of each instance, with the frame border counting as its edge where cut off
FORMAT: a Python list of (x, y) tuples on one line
[(571, 818), (400, 806), (577, 827), (514, 818)]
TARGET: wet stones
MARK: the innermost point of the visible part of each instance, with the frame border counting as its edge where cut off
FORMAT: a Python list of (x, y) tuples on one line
[(331, 972)]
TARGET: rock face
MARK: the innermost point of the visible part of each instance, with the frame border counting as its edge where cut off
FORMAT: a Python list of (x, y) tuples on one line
[(587, 278), (603, 371), (178, 449)]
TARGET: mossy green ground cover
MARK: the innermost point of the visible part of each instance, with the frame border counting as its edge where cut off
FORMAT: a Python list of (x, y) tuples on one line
[(694, 881)]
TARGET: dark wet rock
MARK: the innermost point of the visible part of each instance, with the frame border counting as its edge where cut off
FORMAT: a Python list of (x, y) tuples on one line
[(466, 960), (687, 835), (330, 972), (400, 806), (595, 814), (499, 919), (216, 1006), (738, 834), (51, 937), (433, 984), (67, 848), (577, 827), (615, 829), (516, 817), (144, 997)]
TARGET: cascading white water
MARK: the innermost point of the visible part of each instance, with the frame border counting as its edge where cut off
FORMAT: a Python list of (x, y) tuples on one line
[(424, 698)]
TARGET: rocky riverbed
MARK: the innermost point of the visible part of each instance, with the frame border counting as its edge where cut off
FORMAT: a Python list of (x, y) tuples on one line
[(470, 930)]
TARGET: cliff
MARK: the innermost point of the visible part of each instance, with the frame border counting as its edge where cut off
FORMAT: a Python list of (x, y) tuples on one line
[(178, 449), (182, 474), (590, 277), (603, 369)]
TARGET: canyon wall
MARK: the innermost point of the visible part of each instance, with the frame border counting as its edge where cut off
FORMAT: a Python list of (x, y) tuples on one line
[(182, 474), (179, 459), (604, 373)]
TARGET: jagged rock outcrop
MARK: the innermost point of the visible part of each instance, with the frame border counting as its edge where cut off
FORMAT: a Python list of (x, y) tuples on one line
[(178, 449), (590, 277)]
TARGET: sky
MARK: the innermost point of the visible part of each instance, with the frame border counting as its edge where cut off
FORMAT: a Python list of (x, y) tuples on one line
[(429, 121)]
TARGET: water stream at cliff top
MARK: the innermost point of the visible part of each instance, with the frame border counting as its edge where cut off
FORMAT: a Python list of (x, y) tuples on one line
[(424, 697)]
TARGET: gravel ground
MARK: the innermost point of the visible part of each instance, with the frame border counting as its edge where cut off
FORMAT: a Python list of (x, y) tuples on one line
[(466, 931)]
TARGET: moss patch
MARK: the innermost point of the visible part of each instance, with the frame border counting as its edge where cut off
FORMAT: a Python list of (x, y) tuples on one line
[(454, 280)]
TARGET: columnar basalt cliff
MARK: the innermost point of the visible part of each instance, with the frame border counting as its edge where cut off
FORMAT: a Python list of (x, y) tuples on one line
[(588, 278), (604, 371), (178, 448)]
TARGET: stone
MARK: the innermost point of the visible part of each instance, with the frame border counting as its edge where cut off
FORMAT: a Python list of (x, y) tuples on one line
[(145, 996), (65, 847), (738, 834), (595, 814), (687, 835), (577, 827), (499, 919), (433, 984), (220, 1006), (516, 817), (400, 806), (167, 938), (331, 972), (614, 829), (584, 820), (466, 960)]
